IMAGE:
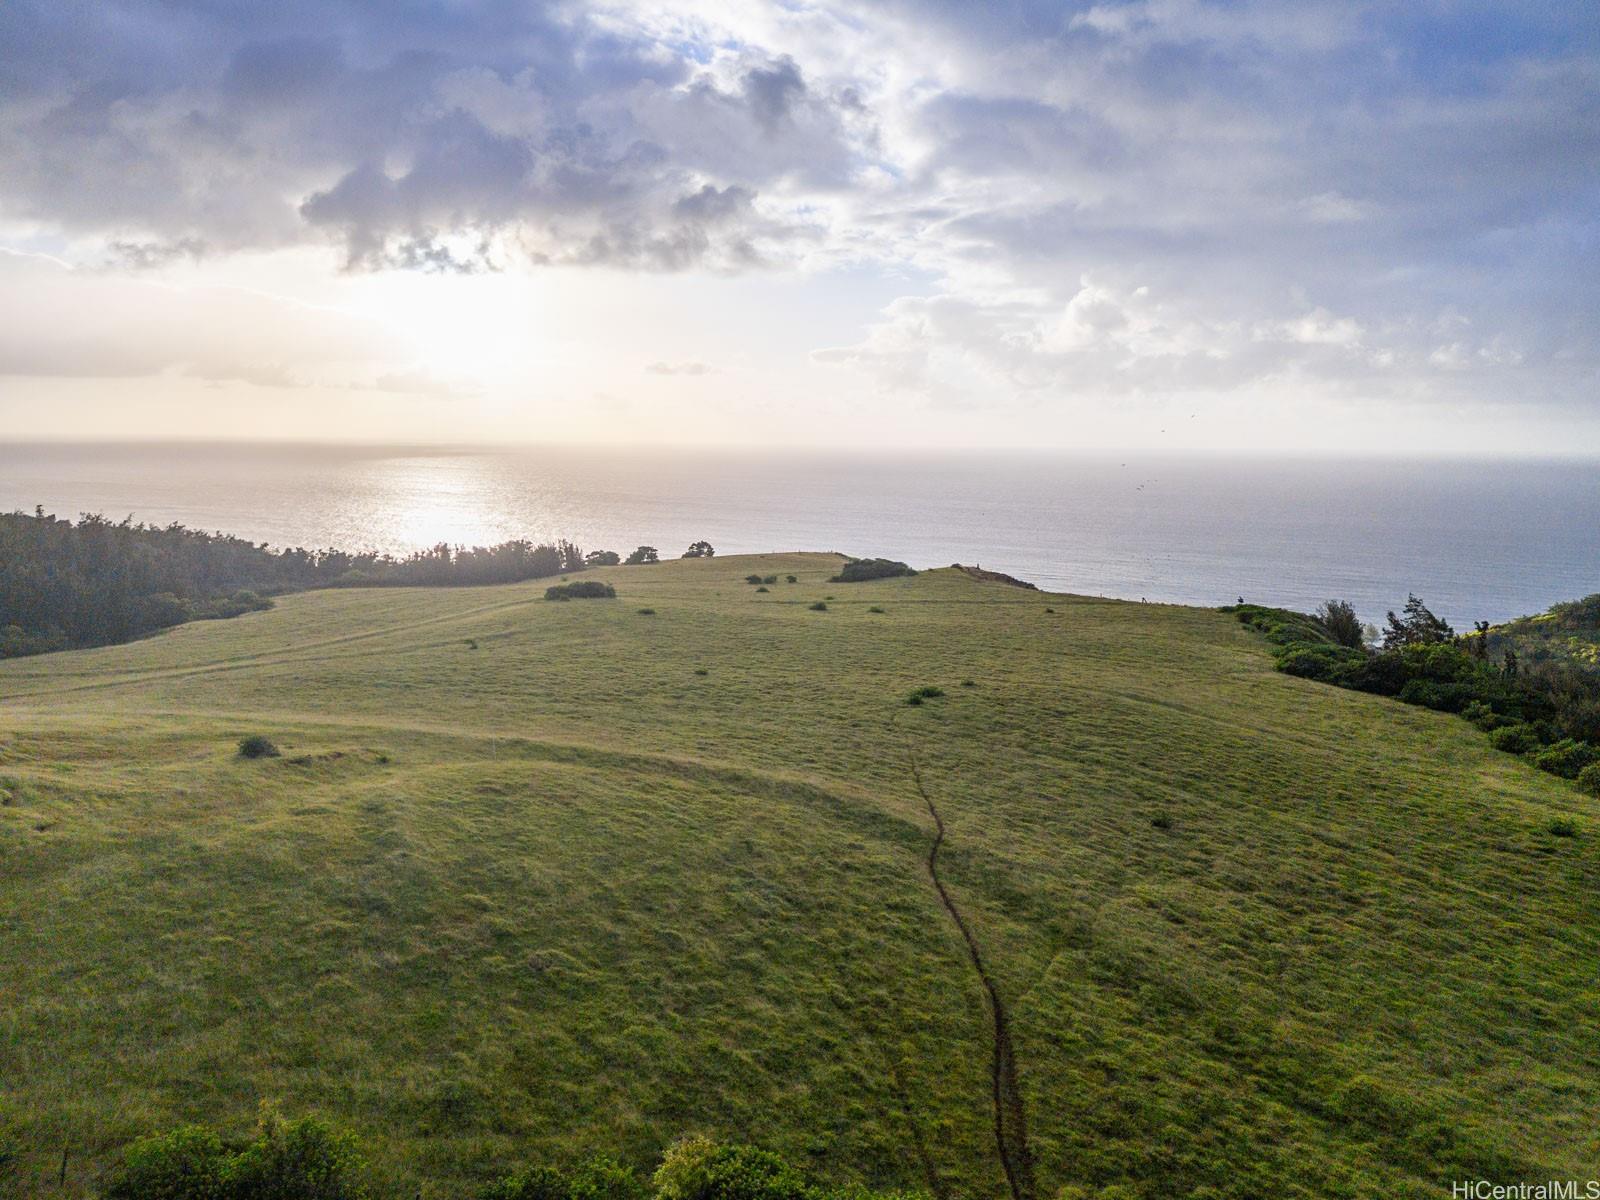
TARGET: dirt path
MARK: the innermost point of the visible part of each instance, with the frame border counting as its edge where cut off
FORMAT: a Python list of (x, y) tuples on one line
[(1010, 1117)]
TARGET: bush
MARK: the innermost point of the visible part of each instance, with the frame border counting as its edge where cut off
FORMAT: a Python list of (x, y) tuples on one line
[(295, 1160), (596, 1179), (876, 609), (769, 579), (1565, 758), (791, 579), (1564, 827), (1330, 664), (1520, 738), (752, 579), (699, 1169), (862, 569), (583, 589), (819, 606), (929, 692), (256, 746), (1589, 779), (761, 589), (1484, 716), (287, 1160)]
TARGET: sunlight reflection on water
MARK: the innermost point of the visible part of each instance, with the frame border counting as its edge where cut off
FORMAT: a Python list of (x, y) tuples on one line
[(1476, 539)]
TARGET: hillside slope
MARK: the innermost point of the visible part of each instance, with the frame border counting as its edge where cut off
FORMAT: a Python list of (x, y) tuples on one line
[(533, 879)]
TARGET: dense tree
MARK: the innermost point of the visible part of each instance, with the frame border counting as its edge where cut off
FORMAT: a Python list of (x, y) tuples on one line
[(96, 581), (1417, 627), (1340, 620), (644, 554), (602, 558), (700, 550)]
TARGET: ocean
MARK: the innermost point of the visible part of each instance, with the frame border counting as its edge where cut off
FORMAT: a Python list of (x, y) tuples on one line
[(1476, 539)]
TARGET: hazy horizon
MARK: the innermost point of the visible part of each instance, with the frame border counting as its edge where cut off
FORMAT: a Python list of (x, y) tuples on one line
[(1197, 529)]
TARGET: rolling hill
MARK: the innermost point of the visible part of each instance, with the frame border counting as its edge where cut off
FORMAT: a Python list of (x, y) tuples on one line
[(1115, 910)]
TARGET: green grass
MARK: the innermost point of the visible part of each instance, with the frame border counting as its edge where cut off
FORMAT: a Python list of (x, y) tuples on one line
[(559, 894)]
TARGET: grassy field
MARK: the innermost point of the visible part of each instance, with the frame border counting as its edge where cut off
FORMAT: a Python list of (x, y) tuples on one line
[(532, 880)]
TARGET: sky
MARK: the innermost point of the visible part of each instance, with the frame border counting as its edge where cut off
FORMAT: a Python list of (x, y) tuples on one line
[(1251, 225)]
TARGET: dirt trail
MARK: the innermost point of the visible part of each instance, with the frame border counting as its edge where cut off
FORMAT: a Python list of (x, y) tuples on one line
[(1010, 1117)]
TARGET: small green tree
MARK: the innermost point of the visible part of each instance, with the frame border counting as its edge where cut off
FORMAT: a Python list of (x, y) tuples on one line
[(1417, 627), (602, 558), (700, 549), (644, 554), (1339, 618)]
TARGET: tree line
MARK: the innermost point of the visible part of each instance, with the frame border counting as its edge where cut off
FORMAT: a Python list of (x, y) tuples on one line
[(96, 581), (1548, 710)]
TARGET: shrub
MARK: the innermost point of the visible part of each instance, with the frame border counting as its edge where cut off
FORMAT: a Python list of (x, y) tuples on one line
[(701, 671), (699, 1169), (287, 1160), (596, 1179), (647, 612), (583, 589), (969, 683), (929, 692), (752, 579), (761, 589), (535, 1183), (1161, 821), (1565, 758), (862, 569), (1520, 738), (186, 1164), (1564, 827), (295, 1160), (256, 746), (1319, 661), (791, 579), (819, 606), (876, 609), (1589, 779), (769, 579), (1483, 715)]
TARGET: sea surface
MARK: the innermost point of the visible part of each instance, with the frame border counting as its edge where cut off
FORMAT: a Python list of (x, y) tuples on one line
[(1479, 539)]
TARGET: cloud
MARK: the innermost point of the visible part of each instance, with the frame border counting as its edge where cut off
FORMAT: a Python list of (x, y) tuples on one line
[(678, 368), (444, 139), (56, 321), (1111, 197)]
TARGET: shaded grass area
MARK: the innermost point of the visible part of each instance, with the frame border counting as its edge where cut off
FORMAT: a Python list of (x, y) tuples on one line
[(561, 894)]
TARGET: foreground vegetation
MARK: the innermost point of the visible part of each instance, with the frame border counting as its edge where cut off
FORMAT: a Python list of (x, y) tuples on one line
[(532, 882), (1545, 707), (307, 1159)]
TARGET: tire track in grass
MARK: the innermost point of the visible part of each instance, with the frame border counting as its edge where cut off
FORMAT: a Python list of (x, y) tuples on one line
[(1010, 1115)]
